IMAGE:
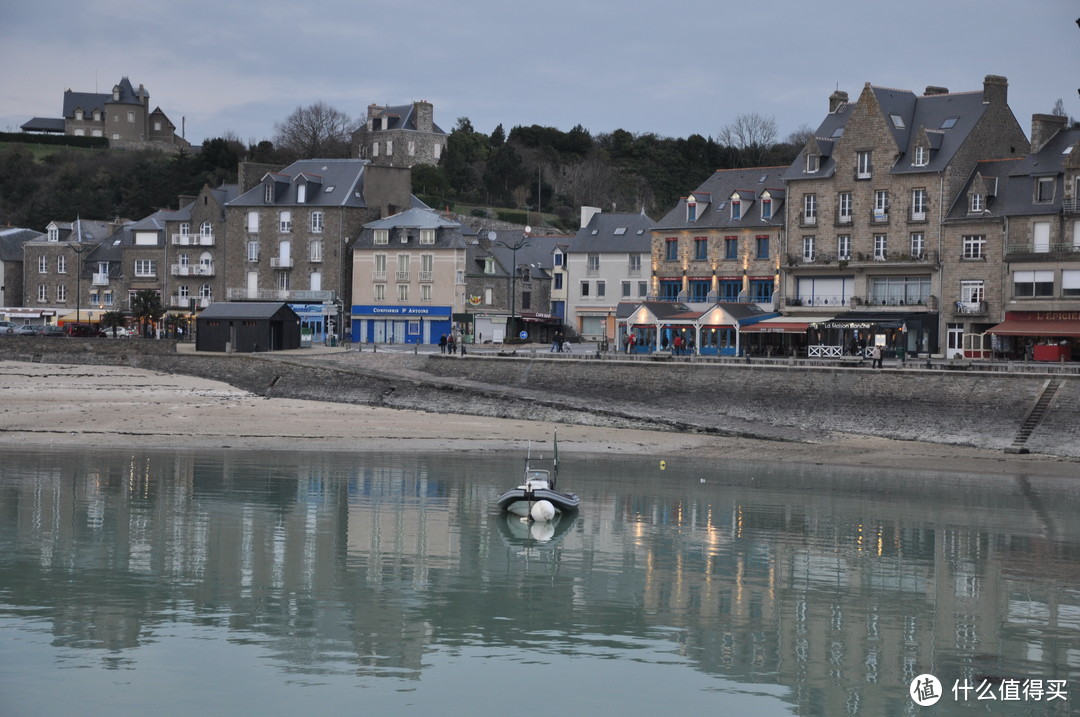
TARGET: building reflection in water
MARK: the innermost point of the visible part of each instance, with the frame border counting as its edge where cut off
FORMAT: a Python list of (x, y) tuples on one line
[(827, 585)]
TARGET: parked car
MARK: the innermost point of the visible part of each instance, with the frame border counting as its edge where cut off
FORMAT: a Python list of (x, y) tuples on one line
[(120, 332), (7, 328), (52, 330), (82, 330), (27, 330)]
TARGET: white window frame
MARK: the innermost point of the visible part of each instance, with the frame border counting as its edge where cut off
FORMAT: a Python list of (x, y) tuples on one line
[(809, 209), (922, 157), (402, 292), (253, 251), (843, 210), (43, 264), (974, 246), (379, 292), (315, 250), (919, 202), (808, 251), (145, 267), (382, 236), (427, 236), (42, 293), (843, 247), (317, 219), (61, 292), (268, 193), (918, 245), (813, 163), (863, 165), (253, 221), (881, 204), (61, 264), (881, 247), (972, 292), (285, 221), (977, 204)]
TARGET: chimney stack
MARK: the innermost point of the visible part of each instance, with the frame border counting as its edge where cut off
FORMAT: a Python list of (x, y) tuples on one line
[(935, 90), (995, 90), (1043, 127), (836, 100)]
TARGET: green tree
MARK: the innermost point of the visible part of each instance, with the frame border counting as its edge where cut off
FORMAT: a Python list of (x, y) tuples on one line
[(147, 308), (113, 320)]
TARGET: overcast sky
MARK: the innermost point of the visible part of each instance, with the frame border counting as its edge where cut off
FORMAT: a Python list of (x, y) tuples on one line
[(673, 69)]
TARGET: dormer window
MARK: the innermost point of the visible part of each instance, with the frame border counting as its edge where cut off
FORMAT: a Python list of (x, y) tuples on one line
[(489, 265), (301, 193), (54, 234), (812, 163), (268, 193), (78, 114), (736, 209), (691, 211), (1044, 189), (978, 203), (922, 157), (766, 205)]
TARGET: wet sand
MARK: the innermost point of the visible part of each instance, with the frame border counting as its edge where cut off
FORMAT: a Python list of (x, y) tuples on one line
[(60, 405)]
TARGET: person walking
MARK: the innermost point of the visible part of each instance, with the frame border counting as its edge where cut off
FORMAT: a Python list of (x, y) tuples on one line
[(875, 354), (442, 344), (556, 343)]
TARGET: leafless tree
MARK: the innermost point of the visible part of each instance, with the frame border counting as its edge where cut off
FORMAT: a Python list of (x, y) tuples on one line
[(317, 130), (752, 134), (800, 136)]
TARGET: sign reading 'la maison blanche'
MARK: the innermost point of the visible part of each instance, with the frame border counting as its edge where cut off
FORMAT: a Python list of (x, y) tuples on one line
[(370, 310)]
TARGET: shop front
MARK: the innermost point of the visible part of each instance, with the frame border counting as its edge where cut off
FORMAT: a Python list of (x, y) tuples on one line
[(1038, 335), (898, 335), (540, 327), (400, 324), (317, 321), (779, 335), (680, 329)]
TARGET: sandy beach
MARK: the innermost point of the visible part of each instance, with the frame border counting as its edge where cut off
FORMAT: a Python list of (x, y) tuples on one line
[(120, 407)]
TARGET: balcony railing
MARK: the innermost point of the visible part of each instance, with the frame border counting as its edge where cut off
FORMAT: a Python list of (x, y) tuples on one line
[(193, 239), (378, 276), (100, 279), (184, 302), (1070, 206), (403, 276), (971, 308), (236, 294), (192, 269), (1045, 251), (426, 275), (281, 262), (821, 258)]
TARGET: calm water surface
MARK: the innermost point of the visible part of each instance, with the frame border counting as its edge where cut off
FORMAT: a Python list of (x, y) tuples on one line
[(238, 582)]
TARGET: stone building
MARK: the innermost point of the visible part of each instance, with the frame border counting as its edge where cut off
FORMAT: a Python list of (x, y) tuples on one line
[(867, 199), (12, 307), (400, 136), (196, 249), (721, 243), (123, 116), (290, 237), (59, 270)]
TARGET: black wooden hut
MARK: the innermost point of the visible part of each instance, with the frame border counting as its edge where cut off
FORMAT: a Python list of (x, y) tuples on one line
[(245, 327)]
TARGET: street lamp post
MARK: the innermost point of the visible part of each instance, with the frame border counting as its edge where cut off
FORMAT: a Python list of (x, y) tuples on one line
[(78, 249), (519, 244)]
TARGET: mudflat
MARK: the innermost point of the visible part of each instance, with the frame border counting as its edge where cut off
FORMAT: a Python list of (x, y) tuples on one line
[(121, 407)]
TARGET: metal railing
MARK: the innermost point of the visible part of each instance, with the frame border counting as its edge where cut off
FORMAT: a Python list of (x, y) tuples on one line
[(236, 294), (193, 240)]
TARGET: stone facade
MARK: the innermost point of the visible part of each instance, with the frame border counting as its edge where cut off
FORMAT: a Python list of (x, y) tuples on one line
[(722, 241), (123, 116), (400, 136), (868, 196)]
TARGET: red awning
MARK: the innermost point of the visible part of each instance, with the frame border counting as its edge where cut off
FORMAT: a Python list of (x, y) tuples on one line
[(1037, 327), (781, 327)]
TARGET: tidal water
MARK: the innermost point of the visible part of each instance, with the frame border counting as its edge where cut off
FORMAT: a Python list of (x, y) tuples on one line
[(232, 582)]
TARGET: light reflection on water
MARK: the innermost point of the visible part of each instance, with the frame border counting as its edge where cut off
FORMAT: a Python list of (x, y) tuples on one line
[(170, 582)]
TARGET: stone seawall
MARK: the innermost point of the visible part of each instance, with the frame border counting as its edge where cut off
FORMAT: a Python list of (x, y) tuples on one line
[(778, 402)]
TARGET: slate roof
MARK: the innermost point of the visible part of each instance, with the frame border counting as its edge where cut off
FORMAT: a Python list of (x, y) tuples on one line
[(537, 254), (448, 234), (12, 240), (243, 310), (342, 184), (614, 233), (715, 211), (915, 112), (404, 117), (44, 124)]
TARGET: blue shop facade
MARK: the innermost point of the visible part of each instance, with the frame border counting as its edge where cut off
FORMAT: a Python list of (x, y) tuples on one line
[(380, 324)]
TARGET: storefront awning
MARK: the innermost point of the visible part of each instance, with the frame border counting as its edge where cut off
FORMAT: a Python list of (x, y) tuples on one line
[(84, 316), (784, 325), (1037, 327)]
